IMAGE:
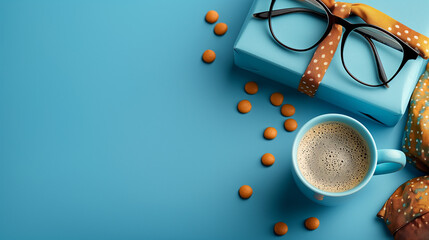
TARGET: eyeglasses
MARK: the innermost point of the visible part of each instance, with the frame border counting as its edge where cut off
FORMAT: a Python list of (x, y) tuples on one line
[(370, 55)]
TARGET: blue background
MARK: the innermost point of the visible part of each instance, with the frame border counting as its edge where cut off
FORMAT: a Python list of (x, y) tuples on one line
[(111, 127)]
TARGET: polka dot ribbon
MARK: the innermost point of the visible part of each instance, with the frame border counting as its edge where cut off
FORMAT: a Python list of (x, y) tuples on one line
[(415, 143), (406, 212), (322, 58)]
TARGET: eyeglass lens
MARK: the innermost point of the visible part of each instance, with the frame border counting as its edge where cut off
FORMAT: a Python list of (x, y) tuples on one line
[(360, 60), (298, 30)]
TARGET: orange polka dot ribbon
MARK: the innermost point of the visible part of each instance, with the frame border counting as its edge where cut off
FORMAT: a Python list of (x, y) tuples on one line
[(406, 212), (415, 143), (324, 53)]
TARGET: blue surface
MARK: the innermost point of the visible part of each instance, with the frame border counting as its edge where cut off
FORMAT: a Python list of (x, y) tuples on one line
[(113, 128)]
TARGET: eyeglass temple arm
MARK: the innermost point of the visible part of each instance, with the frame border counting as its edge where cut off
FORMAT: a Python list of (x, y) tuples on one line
[(279, 12), (380, 69), (381, 39)]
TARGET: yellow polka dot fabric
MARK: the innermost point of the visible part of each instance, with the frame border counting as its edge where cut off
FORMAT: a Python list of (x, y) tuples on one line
[(415, 143), (324, 53), (406, 212), (375, 17), (323, 56)]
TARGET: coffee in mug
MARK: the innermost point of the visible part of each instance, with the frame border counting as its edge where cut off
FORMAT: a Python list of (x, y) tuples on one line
[(333, 157)]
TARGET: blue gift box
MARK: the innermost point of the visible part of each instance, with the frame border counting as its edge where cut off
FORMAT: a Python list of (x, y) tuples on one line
[(256, 51)]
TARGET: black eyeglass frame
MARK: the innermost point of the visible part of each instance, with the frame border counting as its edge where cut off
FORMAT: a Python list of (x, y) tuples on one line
[(409, 52)]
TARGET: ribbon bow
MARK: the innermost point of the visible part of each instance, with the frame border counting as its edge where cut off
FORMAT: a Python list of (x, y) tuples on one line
[(322, 58)]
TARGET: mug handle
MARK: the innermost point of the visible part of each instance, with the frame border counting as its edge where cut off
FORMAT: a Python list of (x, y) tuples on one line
[(389, 161)]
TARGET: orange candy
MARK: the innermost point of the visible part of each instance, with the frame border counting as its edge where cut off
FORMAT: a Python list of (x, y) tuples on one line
[(212, 16), (209, 56), (291, 125), (268, 159), (220, 29), (280, 228), (287, 110), (251, 88), (312, 223), (245, 191), (276, 99), (244, 106), (270, 133)]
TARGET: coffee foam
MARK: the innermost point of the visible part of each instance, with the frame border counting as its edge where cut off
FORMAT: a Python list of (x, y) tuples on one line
[(333, 157)]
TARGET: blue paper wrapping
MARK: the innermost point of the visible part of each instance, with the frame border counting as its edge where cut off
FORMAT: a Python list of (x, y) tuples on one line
[(256, 51)]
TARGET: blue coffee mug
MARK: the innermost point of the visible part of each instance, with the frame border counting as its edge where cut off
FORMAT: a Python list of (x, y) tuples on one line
[(381, 161)]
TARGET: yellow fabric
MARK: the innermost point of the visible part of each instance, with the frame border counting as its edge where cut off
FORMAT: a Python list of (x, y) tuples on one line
[(375, 17), (406, 211), (323, 55), (415, 143)]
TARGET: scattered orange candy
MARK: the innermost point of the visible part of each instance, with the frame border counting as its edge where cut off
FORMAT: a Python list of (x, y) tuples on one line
[(270, 133), (245, 191), (209, 56), (291, 125), (212, 16), (276, 99), (312, 223), (280, 228), (287, 110), (268, 159), (220, 29), (251, 88), (244, 106)]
